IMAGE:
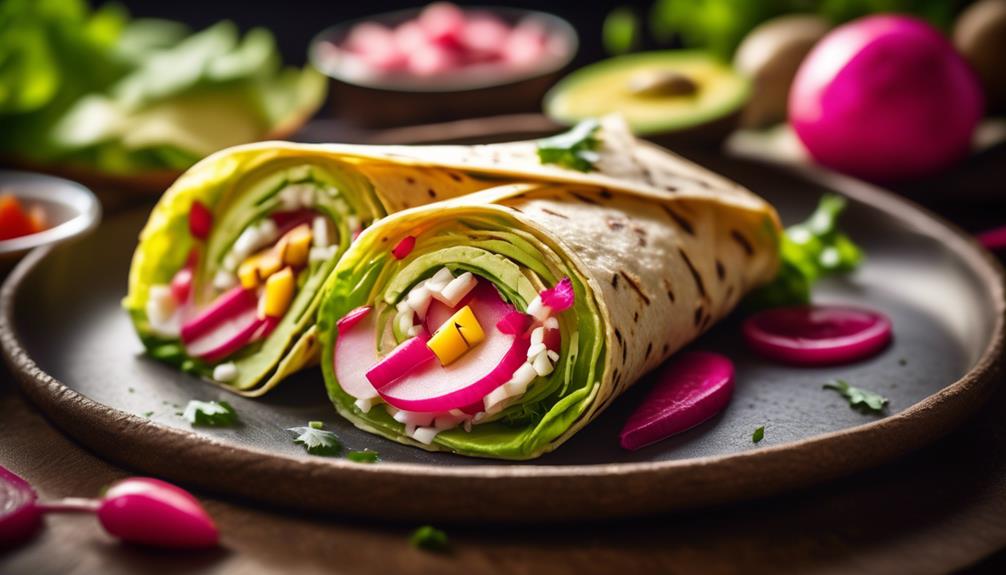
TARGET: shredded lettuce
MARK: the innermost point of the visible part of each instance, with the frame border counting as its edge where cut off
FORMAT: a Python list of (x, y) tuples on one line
[(93, 88), (809, 251)]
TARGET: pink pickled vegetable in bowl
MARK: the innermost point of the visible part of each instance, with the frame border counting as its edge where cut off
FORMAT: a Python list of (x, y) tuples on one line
[(442, 63), (885, 98)]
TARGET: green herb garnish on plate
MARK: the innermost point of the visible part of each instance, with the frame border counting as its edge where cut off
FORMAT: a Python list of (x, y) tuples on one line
[(316, 440), (811, 250), (861, 399), (575, 149), (758, 434), (430, 538), (210, 414), (365, 456)]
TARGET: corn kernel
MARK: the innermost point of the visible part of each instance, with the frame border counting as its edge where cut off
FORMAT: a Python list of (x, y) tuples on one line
[(278, 293), (256, 269), (295, 246), (456, 336)]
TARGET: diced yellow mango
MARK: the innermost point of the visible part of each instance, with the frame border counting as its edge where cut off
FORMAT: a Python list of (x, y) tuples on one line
[(278, 294), (456, 336), (256, 269), (295, 246)]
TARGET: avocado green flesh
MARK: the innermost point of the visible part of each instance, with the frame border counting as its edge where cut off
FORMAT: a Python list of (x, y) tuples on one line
[(519, 264), (606, 87)]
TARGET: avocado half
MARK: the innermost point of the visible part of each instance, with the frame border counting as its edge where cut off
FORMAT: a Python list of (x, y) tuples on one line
[(677, 97)]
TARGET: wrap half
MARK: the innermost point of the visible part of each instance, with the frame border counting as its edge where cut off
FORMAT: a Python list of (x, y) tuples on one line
[(522, 311)]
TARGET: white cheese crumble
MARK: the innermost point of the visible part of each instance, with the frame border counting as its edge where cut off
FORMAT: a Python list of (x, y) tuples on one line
[(225, 372)]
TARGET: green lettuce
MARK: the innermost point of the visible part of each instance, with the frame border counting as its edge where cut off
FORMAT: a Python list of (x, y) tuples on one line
[(809, 251)]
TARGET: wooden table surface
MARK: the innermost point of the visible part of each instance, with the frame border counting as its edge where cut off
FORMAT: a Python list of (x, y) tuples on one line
[(939, 510)]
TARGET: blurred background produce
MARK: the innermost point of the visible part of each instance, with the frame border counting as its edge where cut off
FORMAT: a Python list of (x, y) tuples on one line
[(127, 89), (95, 89)]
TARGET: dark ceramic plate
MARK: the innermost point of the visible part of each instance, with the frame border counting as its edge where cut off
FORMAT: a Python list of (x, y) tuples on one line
[(76, 356)]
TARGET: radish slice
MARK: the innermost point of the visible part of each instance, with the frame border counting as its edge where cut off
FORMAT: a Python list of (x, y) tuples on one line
[(403, 248), (228, 336), (352, 318), (19, 517), (232, 303), (817, 335), (355, 352), (689, 390), (181, 285), (200, 220), (151, 512), (559, 297), (409, 356), (435, 388), (514, 323)]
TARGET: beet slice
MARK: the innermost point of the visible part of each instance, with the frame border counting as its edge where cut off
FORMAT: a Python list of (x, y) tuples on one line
[(689, 389)]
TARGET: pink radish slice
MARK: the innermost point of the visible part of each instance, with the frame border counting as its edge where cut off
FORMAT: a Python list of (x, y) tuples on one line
[(228, 336), (817, 335), (407, 357), (375, 44), (19, 517), (229, 305), (352, 318), (403, 248), (151, 512), (200, 220), (689, 390), (181, 285), (435, 388), (355, 352)]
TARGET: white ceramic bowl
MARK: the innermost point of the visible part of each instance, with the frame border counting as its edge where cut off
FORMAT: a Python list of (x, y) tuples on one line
[(70, 210)]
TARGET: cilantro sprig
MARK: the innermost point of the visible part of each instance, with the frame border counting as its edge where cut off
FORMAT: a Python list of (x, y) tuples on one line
[(861, 399), (316, 440), (575, 149), (809, 251), (210, 414), (430, 538)]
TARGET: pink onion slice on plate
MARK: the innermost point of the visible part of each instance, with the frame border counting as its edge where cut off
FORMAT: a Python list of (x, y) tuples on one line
[(689, 389), (817, 335), (229, 336)]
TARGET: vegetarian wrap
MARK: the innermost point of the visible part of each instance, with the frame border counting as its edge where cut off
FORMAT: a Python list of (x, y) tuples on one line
[(500, 323), (225, 280)]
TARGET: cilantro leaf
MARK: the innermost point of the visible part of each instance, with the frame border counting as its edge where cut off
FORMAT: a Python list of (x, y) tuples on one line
[(809, 251), (317, 441), (861, 399), (575, 149), (210, 413), (758, 434), (365, 456), (429, 538)]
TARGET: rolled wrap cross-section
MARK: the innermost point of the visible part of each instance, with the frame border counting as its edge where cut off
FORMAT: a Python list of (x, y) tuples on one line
[(650, 268), (229, 223)]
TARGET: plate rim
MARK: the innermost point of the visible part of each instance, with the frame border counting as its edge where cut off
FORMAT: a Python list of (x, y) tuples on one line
[(74, 413)]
